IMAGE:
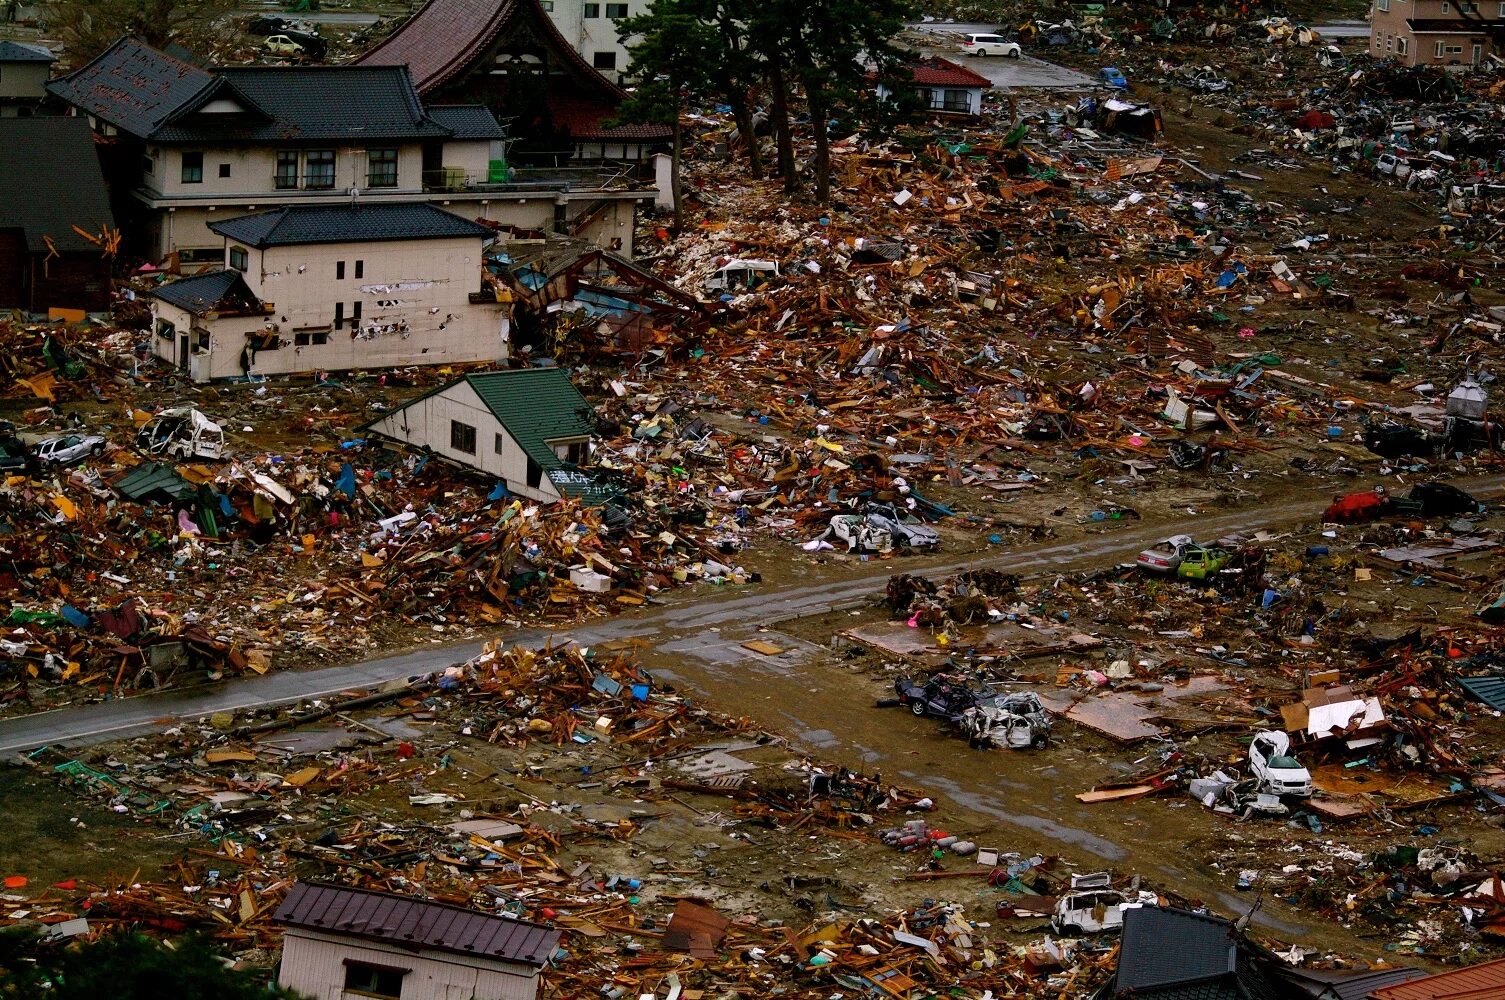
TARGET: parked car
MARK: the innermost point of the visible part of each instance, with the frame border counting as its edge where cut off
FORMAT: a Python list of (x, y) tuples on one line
[(282, 45), (69, 448), (1207, 82), (1199, 563), (940, 697), (1166, 556), (977, 44), (312, 43), (267, 24), (1007, 721), (907, 531), (1112, 76), (1271, 762)]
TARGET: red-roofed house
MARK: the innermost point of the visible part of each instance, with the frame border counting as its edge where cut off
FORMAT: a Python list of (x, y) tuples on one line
[(945, 87), (1477, 982)]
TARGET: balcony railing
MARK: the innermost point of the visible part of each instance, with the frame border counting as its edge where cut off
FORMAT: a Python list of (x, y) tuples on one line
[(505, 178)]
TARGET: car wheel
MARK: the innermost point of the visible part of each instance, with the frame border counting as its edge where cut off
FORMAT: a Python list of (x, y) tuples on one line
[(1040, 742), (917, 707), (1016, 54), (97, 450)]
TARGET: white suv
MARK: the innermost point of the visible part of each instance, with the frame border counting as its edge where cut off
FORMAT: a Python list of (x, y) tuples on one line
[(991, 45)]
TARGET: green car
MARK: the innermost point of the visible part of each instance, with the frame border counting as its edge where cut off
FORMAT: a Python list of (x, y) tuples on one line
[(1199, 564)]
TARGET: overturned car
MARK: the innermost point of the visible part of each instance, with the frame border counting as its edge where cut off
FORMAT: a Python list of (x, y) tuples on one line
[(1007, 721)]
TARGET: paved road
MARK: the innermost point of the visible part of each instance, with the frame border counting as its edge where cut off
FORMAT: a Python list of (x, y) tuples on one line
[(686, 613), (1026, 71)]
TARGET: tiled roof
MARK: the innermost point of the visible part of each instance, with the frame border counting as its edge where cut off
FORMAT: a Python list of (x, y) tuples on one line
[(132, 86), (536, 405), (1346, 984), (203, 293), (310, 103), (50, 181), (416, 923), (22, 52), (1204, 948), (938, 72), (439, 41), (1476, 982), (357, 223), (467, 121), (585, 121)]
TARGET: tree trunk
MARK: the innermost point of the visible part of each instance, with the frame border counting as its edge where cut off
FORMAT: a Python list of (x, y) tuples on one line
[(742, 113), (819, 120), (782, 127), (674, 183)]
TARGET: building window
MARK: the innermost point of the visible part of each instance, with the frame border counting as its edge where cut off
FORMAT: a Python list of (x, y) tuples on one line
[(287, 169), (1468, 8), (1437, 53), (312, 338), (239, 259), (591, 10), (318, 169), (500, 445), (1389, 42), (1381, 4), (149, 161), (224, 170), (1401, 44), (360, 270), (576, 452), (604, 60), (1447, 8), (535, 473), (955, 100), (381, 168), (1502, 10), (373, 981), (339, 315), (462, 437), (616, 11), (547, 5), (355, 315), (193, 168), (339, 270)]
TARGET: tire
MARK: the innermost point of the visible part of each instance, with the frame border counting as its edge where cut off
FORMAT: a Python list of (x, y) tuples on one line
[(97, 450), (1040, 742), (1017, 53), (917, 708)]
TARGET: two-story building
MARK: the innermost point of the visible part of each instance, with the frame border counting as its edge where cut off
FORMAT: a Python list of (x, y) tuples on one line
[(591, 27), (185, 146), (334, 287), (1435, 32)]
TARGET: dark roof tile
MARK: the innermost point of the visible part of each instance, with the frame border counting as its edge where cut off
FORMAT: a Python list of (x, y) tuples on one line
[(408, 921), (22, 52), (204, 293), (50, 181), (467, 121), (132, 86), (357, 223)]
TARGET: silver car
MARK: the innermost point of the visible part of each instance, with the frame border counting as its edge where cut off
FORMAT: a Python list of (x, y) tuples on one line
[(69, 448)]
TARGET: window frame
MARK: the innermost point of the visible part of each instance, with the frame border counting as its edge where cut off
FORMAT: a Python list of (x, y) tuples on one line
[(499, 444), (618, 6), (1401, 45), (387, 179), (1382, 5), (326, 163), (244, 261), (462, 434), (608, 55), (191, 170), (1439, 50), (367, 980), (286, 174), (590, 10), (224, 171)]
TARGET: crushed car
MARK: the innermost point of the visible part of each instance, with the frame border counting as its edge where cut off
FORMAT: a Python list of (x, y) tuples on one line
[(1094, 907), (940, 697), (907, 531), (1199, 563), (184, 432), (1007, 721), (1271, 762), (1166, 556)]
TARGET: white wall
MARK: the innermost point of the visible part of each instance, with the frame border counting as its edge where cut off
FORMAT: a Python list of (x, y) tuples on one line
[(415, 309), (426, 423), (590, 35), (313, 965), (24, 79)]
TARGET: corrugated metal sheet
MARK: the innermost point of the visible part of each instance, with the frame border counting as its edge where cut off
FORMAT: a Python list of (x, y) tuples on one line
[(416, 923), (1490, 690), (1477, 982)]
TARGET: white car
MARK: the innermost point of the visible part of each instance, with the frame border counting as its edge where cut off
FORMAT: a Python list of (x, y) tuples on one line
[(1166, 556), (991, 45), (69, 448), (1271, 762), (1390, 165)]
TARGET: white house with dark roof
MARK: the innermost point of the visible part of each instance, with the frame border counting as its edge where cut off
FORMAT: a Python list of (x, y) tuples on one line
[(343, 944), (188, 146), (334, 287)]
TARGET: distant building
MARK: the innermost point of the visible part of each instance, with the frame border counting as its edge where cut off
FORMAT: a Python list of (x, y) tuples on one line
[(944, 87), (343, 944), (528, 427), (23, 77), (50, 183), (591, 27), (330, 288), (1435, 32), (510, 56)]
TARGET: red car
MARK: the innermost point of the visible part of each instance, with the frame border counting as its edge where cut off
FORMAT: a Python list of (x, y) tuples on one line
[(1356, 508)]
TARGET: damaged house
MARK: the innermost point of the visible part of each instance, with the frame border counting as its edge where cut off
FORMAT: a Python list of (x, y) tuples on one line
[(330, 288), (528, 427)]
